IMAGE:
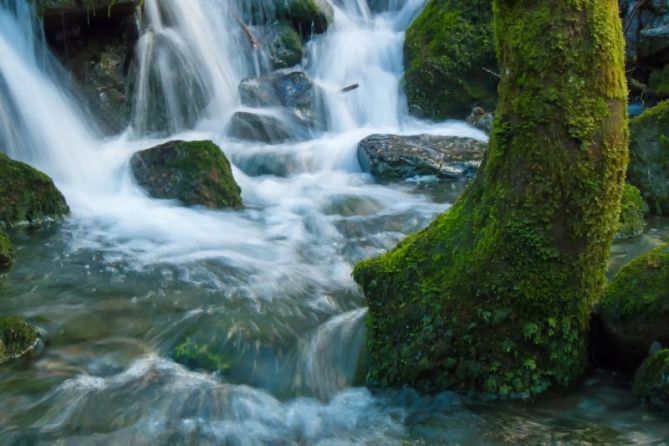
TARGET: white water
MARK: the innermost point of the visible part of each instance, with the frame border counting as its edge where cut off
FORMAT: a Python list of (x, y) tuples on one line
[(289, 252)]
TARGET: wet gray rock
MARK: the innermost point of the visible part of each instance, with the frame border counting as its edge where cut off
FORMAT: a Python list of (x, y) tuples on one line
[(259, 127), (481, 119), (280, 44), (293, 91), (394, 158)]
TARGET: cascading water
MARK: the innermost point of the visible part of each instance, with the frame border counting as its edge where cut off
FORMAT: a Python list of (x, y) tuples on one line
[(267, 290)]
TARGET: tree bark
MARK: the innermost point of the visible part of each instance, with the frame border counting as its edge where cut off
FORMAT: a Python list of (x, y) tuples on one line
[(496, 294)]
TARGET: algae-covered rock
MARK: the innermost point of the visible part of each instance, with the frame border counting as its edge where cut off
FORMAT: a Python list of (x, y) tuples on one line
[(649, 157), (635, 306), (194, 172), (496, 294), (449, 53), (281, 44), (199, 357), (17, 338), (27, 195), (306, 16), (652, 379), (7, 252), (632, 210), (394, 157)]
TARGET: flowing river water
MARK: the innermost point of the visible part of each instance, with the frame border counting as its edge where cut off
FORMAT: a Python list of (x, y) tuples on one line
[(125, 279)]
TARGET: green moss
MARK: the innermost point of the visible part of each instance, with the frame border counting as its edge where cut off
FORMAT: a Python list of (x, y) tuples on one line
[(635, 306), (447, 51), (16, 337), (27, 195), (649, 157), (197, 356), (496, 294), (194, 172), (633, 209), (652, 378), (658, 82), (7, 252), (286, 48)]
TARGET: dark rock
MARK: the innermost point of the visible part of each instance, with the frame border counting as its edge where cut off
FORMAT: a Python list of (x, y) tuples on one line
[(7, 252), (481, 119), (652, 379), (27, 195), (635, 307), (293, 91), (17, 338), (649, 157), (194, 172), (306, 16), (258, 127), (393, 158)]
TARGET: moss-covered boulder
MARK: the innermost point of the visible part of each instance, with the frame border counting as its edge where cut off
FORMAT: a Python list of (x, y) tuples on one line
[(496, 294), (652, 379), (17, 338), (635, 307), (306, 16), (27, 195), (7, 252), (194, 172), (649, 157), (449, 53), (280, 43), (200, 357), (632, 211)]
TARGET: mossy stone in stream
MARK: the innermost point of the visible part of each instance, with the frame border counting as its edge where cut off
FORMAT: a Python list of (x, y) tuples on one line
[(7, 252), (448, 50), (27, 195), (652, 379), (199, 357), (16, 337), (649, 157), (193, 172), (632, 211), (635, 306)]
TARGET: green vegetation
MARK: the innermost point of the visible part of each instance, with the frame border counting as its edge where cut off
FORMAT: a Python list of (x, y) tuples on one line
[(448, 50), (193, 172), (652, 378), (197, 356), (27, 195), (496, 294), (635, 306), (649, 157), (16, 337), (7, 252), (633, 209)]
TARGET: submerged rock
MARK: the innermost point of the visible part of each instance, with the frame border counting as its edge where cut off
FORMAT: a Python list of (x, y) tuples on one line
[(194, 172), (635, 307), (258, 127), (7, 252), (652, 379), (633, 209), (649, 157), (17, 338), (450, 59), (199, 357), (394, 158), (28, 195)]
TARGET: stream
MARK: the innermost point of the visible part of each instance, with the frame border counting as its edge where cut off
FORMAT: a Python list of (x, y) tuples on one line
[(118, 285)]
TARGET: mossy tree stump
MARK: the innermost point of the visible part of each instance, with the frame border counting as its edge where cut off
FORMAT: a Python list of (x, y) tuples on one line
[(495, 295)]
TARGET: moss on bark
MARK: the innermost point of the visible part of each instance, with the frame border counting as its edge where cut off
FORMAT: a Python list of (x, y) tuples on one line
[(496, 294)]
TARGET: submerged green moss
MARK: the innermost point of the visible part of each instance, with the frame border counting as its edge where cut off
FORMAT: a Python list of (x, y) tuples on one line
[(198, 356), (16, 337), (635, 306), (496, 294), (7, 252), (633, 209), (27, 195), (449, 56), (649, 156), (652, 378)]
